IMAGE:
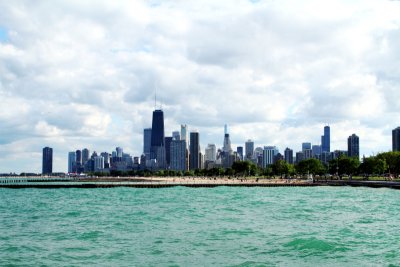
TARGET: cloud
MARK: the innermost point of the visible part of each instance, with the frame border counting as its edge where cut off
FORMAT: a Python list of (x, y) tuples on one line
[(83, 74)]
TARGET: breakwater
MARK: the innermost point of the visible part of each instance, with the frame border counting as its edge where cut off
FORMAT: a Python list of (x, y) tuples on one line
[(143, 183)]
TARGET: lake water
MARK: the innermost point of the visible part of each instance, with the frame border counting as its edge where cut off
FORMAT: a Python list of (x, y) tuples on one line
[(222, 226)]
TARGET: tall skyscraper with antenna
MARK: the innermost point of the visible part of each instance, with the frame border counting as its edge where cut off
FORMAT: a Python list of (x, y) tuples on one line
[(157, 149)]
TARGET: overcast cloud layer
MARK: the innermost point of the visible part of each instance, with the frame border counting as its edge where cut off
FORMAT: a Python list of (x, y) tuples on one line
[(75, 75)]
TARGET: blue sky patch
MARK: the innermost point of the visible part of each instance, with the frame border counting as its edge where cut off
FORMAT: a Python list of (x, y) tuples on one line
[(3, 34)]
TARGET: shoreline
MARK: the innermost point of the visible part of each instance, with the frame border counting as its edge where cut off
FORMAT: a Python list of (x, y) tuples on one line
[(163, 182)]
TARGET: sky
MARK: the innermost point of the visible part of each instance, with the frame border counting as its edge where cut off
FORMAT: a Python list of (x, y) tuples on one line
[(76, 74)]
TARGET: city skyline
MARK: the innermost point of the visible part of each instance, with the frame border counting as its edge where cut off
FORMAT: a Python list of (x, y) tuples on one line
[(275, 72)]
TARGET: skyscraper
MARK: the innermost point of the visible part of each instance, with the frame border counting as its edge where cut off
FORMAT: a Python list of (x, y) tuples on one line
[(168, 141), (305, 146), (72, 162), (227, 148), (147, 142), (178, 155), (85, 155), (194, 160), (210, 153), (289, 155), (78, 158), (239, 150), (47, 161), (326, 140), (353, 146), (316, 150), (157, 150), (120, 152), (269, 154), (396, 139), (176, 135), (184, 134), (249, 149)]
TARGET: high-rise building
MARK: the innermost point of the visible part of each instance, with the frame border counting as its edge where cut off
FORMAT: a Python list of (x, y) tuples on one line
[(119, 151), (157, 150), (194, 160), (289, 155), (326, 140), (47, 161), (307, 153), (168, 141), (396, 139), (316, 150), (176, 135), (227, 148), (98, 163), (239, 151), (72, 162), (106, 158), (305, 146), (299, 156), (147, 142), (353, 146), (249, 149), (184, 134), (85, 155), (178, 155), (78, 157), (211, 153), (269, 154)]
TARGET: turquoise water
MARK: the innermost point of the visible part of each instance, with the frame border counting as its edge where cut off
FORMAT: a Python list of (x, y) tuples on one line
[(287, 226)]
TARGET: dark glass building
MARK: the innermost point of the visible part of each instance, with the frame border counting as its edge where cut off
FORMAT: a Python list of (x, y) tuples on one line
[(396, 139), (168, 141), (147, 142), (288, 155), (239, 150), (157, 149), (194, 159), (353, 146), (47, 161), (326, 140)]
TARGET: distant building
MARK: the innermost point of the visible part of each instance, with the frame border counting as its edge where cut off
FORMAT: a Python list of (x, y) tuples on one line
[(168, 141), (98, 163), (299, 156), (305, 146), (210, 153), (326, 140), (72, 162), (307, 153), (85, 155), (178, 155), (239, 151), (269, 154), (106, 157), (353, 146), (119, 151), (316, 151), (227, 148), (157, 150), (396, 139), (47, 161), (288, 155), (194, 160), (184, 134), (176, 135), (147, 142), (249, 149)]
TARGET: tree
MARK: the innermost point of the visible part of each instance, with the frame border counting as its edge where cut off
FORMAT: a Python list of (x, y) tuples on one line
[(244, 167), (392, 160), (280, 167), (312, 166), (372, 165)]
